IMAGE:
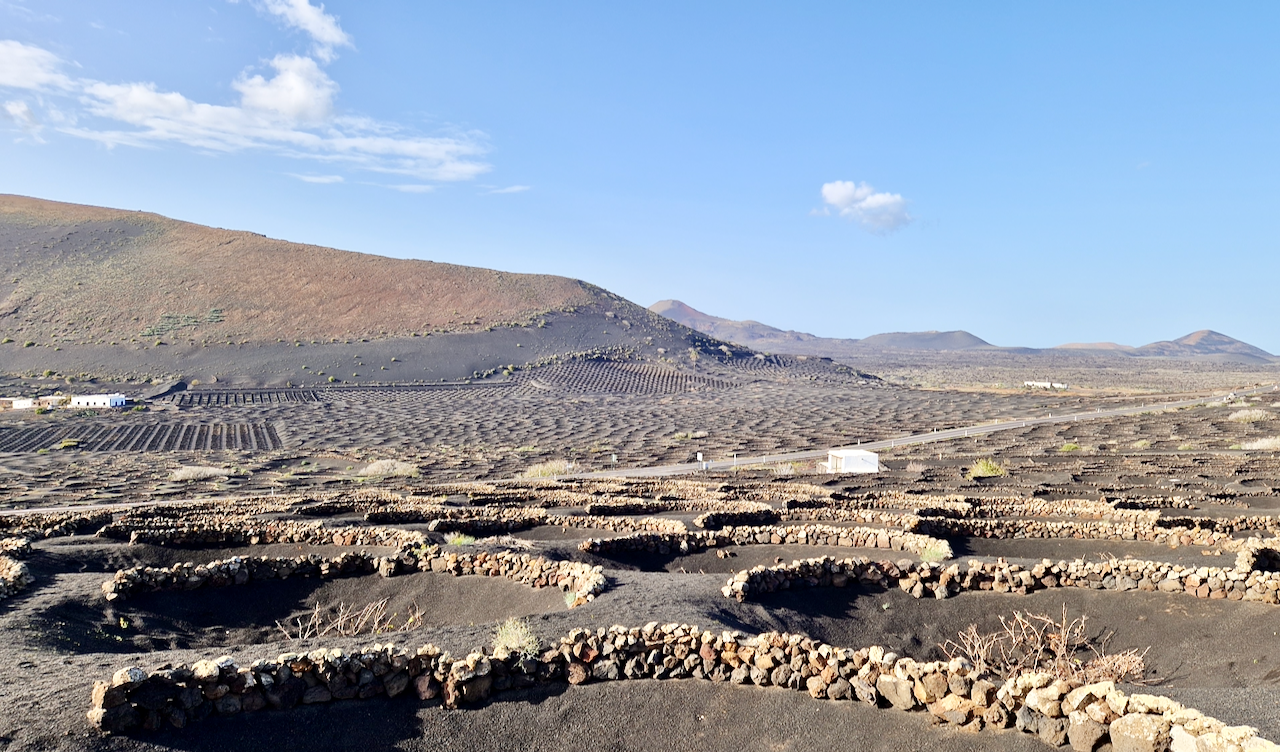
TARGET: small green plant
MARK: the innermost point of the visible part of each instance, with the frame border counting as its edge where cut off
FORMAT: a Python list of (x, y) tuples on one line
[(932, 554), (986, 468), (513, 637), (460, 539), (29, 343), (6, 340), (69, 444), (1186, 447), (1069, 447), (1141, 444)]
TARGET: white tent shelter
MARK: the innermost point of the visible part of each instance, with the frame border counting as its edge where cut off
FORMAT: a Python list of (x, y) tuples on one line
[(851, 461)]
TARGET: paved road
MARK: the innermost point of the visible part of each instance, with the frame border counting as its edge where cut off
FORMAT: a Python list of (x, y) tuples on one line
[(919, 438)]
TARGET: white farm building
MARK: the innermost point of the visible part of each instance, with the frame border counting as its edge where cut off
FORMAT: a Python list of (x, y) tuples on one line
[(850, 461), (98, 400)]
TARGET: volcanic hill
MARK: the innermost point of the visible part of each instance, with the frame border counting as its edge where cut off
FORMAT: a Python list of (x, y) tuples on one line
[(95, 292)]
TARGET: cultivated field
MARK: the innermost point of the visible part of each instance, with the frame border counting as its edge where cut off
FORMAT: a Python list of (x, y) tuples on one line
[(1158, 530)]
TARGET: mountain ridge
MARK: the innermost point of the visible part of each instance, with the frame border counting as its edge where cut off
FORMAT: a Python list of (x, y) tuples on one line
[(1205, 343)]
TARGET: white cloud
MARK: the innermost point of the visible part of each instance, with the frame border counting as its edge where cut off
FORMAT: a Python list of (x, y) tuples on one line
[(23, 66), (312, 20), (511, 189), (289, 113), (876, 212), (321, 179), (413, 188), (299, 92)]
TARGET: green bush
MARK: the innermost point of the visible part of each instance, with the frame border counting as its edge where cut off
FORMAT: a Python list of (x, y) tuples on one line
[(986, 468), (1069, 447)]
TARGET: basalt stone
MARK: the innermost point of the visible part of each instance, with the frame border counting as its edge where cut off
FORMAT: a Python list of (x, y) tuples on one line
[(153, 694), (287, 693), (983, 693), (578, 672), (817, 687), (996, 716), (864, 691), (106, 696), (840, 689), (1083, 732), (1053, 731), (1138, 732), (318, 693), (608, 670), (426, 686), (119, 718), (1027, 720), (395, 683), (227, 704), (897, 691), (781, 675), (477, 689)]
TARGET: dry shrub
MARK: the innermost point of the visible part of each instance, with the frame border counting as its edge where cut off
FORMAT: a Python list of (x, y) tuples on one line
[(547, 469), (348, 621), (1027, 643), (1269, 444), (513, 637), (916, 467), (1141, 444), (389, 469), (198, 473), (1252, 415)]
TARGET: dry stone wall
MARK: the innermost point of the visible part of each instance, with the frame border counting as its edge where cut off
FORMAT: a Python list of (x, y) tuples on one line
[(582, 581), (942, 581), (814, 535), (1059, 711)]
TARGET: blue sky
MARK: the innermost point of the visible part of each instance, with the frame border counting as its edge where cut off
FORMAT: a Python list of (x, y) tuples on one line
[(1033, 173)]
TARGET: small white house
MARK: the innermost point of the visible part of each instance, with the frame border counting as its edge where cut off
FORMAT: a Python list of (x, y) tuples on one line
[(98, 400), (17, 403), (851, 461)]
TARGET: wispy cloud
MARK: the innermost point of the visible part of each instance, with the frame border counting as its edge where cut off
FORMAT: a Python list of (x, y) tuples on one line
[(875, 211), (23, 66), (322, 179), (413, 188), (322, 27), (511, 189), (21, 114), (290, 108)]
